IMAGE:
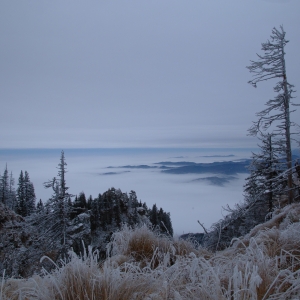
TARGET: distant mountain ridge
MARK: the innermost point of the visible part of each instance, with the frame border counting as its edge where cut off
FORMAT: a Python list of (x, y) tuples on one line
[(224, 167), (215, 180), (188, 167)]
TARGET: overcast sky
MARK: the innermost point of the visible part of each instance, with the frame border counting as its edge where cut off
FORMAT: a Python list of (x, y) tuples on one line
[(160, 73)]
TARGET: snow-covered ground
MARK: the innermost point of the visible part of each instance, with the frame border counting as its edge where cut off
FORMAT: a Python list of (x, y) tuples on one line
[(265, 264)]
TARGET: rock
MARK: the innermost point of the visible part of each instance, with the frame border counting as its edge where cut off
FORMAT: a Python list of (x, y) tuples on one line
[(80, 232)]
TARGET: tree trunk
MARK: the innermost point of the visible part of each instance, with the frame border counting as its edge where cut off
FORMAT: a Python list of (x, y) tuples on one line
[(287, 131)]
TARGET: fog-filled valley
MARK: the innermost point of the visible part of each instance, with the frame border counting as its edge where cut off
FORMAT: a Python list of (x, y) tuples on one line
[(188, 197)]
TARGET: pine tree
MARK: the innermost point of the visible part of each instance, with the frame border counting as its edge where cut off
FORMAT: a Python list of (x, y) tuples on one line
[(25, 196), (132, 208), (166, 220), (133, 198), (117, 211), (154, 216), (12, 193), (266, 180), (89, 202), (29, 195), (40, 207), (95, 216), (81, 201), (4, 187), (21, 204), (58, 208), (269, 66)]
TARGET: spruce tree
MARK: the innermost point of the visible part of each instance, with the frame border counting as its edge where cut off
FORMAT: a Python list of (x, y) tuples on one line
[(117, 211), (12, 193), (21, 204), (4, 187), (89, 202), (29, 195), (25, 195), (154, 216), (40, 207), (81, 202), (267, 167), (95, 210), (58, 209)]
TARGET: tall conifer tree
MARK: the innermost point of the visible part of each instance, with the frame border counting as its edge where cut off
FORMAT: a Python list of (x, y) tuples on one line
[(58, 208), (21, 204), (4, 187), (272, 65), (29, 195)]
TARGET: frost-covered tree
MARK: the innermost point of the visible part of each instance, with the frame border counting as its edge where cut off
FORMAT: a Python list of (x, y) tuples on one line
[(271, 65), (40, 207), (132, 207), (80, 202), (154, 215), (266, 180), (4, 187), (95, 210), (25, 195), (29, 194), (57, 210), (12, 193), (21, 205), (164, 221), (89, 202), (7, 189)]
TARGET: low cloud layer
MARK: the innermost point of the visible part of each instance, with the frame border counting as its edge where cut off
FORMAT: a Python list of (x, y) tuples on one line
[(185, 197), (137, 73)]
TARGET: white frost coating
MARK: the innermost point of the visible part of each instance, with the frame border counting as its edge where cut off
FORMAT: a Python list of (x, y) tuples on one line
[(264, 265), (272, 65)]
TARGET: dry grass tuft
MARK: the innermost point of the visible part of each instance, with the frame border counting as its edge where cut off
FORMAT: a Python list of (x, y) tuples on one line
[(143, 265), (148, 247)]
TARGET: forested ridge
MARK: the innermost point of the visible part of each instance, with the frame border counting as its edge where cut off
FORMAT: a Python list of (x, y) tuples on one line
[(30, 230)]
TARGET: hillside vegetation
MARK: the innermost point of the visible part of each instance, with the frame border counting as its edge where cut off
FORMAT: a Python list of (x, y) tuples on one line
[(142, 264)]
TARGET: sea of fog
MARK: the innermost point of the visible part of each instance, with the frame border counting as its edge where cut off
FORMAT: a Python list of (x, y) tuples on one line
[(185, 197)]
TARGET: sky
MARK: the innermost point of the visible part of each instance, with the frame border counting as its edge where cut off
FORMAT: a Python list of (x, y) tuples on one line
[(84, 74)]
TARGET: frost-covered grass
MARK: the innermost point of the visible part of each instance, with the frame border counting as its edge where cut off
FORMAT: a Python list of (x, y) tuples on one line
[(265, 264)]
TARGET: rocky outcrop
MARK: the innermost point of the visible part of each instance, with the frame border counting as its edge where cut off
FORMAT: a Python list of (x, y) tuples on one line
[(16, 244), (80, 232), (8, 218)]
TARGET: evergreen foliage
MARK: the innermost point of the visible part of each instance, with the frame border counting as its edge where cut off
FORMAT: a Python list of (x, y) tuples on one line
[(21, 205), (161, 220), (40, 207), (114, 208), (29, 195), (267, 168), (12, 192), (4, 186), (7, 190), (25, 195), (55, 219), (60, 224), (154, 215)]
